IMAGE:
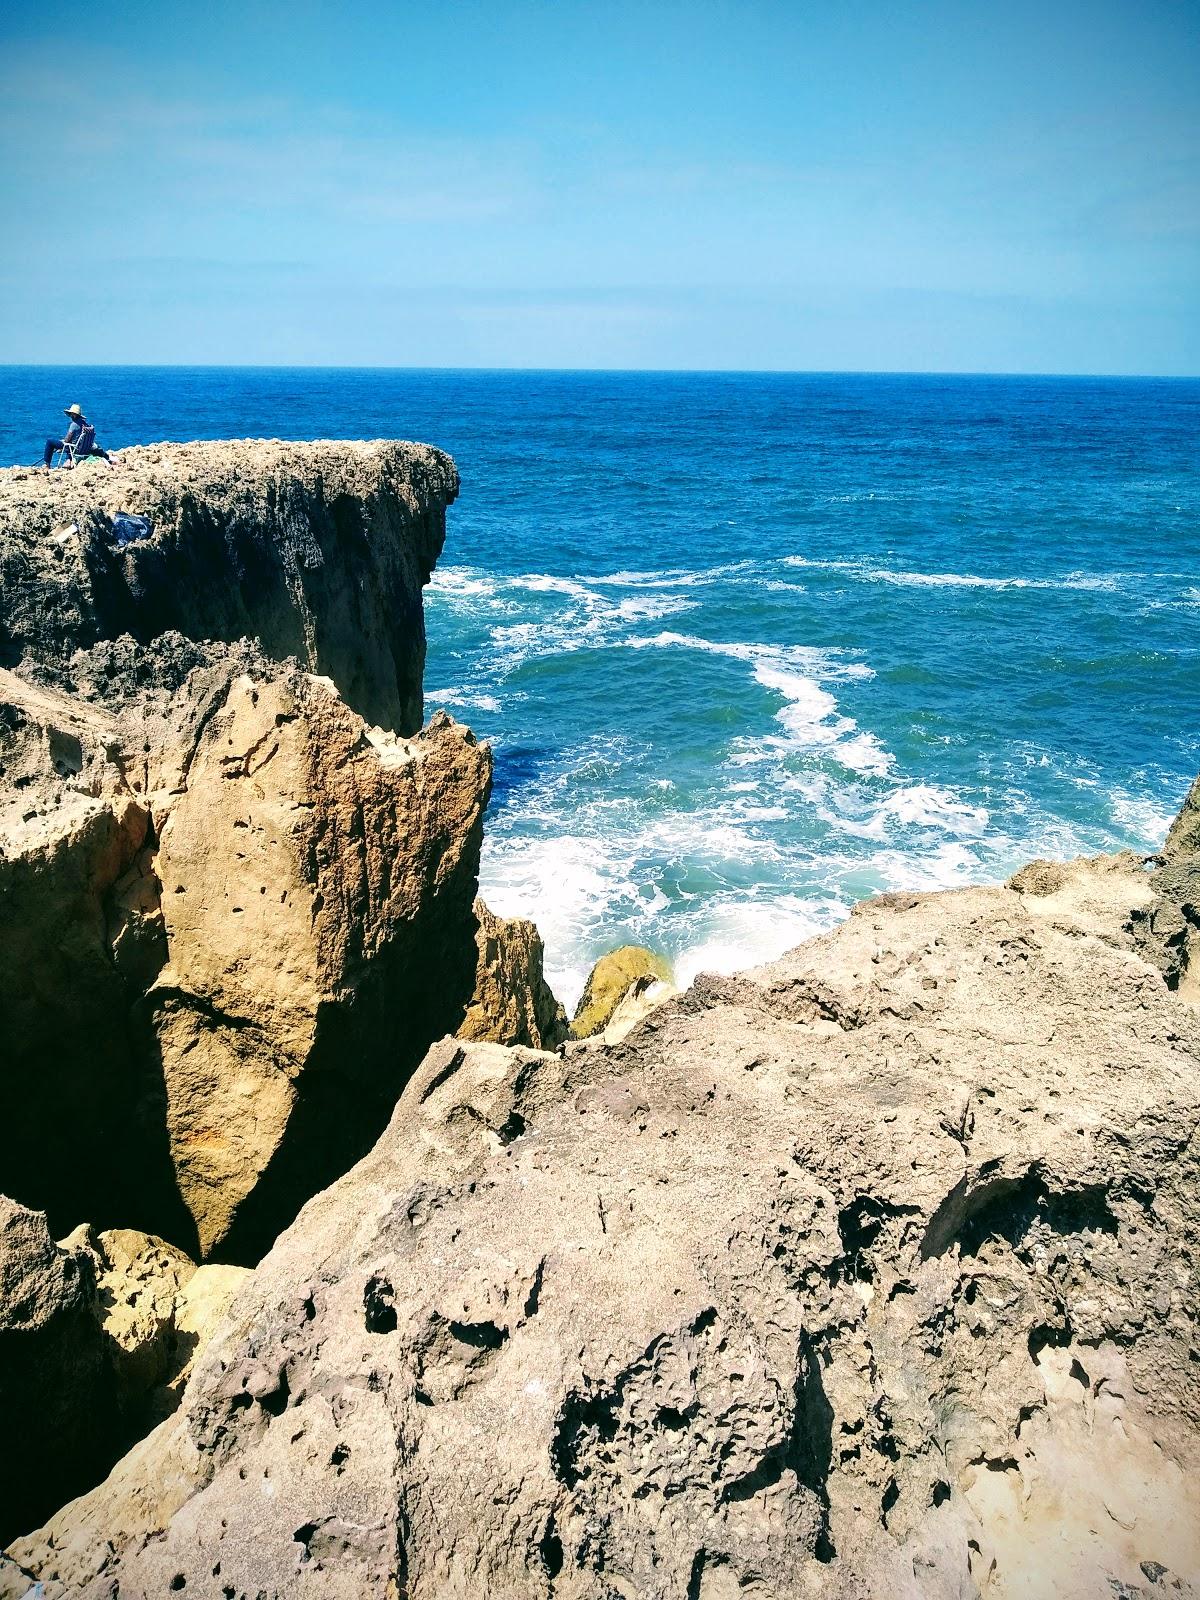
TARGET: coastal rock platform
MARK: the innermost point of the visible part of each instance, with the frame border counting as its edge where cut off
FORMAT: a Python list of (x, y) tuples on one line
[(868, 1272)]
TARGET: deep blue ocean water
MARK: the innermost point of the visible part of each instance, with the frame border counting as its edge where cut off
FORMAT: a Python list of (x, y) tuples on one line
[(749, 647)]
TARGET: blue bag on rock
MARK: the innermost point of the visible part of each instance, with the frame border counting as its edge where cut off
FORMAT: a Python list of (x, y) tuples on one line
[(128, 529)]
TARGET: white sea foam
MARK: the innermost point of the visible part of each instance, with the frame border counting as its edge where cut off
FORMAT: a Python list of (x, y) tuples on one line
[(462, 582), (734, 935), (464, 699), (802, 657), (811, 718), (674, 577), (957, 580), (1146, 818)]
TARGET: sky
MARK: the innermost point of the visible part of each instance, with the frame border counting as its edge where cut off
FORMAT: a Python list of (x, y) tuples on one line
[(928, 185)]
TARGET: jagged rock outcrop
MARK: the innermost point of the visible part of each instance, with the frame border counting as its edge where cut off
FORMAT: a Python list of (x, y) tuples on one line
[(98, 1334), (318, 550), (872, 1272), (513, 1003), (158, 1310), (625, 976), (60, 1421), (236, 915), (1168, 930), (231, 933), (1183, 840)]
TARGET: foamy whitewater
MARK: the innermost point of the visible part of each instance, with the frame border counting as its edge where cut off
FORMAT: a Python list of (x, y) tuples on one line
[(751, 647)]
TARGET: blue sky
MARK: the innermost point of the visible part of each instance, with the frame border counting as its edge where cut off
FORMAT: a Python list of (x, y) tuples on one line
[(947, 185)]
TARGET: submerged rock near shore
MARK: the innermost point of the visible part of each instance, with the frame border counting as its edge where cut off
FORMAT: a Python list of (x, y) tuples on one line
[(869, 1272)]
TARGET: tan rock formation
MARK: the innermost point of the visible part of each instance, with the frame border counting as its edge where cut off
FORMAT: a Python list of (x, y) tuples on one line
[(269, 918), (1183, 840), (98, 1334), (55, 1371), (868, 1273), (158, 1310), (628, 973), (513, 1003)]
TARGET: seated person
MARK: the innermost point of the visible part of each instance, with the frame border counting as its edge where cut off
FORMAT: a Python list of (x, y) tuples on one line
[(80, 438)]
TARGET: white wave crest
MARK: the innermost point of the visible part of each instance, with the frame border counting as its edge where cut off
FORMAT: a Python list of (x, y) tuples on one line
[(957, 580)]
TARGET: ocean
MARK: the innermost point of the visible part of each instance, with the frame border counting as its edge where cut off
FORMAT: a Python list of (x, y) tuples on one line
[(748, 647)]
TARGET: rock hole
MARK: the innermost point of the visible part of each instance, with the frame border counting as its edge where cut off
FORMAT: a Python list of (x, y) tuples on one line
[(1043, 1335), (513, 1128), (551, 1551), (379, 1305), (940, 1493), (890, 1495), (340, 1456), (178, 1581), (275, 1403), (1077, 1372), (480, 1335), (534, 1296)]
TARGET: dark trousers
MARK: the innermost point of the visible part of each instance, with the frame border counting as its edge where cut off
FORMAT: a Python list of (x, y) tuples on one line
[(60, 444)]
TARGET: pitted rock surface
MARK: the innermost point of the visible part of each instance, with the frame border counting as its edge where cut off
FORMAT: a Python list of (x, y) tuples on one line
[(872, 1272)]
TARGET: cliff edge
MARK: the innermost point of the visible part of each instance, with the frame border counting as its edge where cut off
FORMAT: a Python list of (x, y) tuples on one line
[(237, 909), (318, 550)]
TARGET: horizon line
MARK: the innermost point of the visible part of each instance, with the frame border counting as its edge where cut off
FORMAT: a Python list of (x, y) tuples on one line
[(740, 372)]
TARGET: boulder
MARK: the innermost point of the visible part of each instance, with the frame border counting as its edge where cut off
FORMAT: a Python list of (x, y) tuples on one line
[(869, 1272), (158, 1309), (631, 967), (513, 1003)]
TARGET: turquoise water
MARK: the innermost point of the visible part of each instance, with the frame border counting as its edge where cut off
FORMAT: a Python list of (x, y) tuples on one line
[(749, 647)]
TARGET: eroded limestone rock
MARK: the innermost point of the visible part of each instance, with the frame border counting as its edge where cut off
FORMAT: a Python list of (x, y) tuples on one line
[(236, 926), (98, 1334), (513, 1003), (55, 1371), (870, 1272)]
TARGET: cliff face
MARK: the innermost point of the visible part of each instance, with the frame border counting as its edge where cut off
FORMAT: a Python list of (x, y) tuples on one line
[(868, 1273), (235, 915), (317, 550)]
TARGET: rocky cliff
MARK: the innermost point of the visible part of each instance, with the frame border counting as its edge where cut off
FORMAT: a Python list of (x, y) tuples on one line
[(872, 1272), (236, 914), (317, 550)]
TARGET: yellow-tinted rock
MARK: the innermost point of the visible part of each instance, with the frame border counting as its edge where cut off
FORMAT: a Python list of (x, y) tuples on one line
[(610, 981)]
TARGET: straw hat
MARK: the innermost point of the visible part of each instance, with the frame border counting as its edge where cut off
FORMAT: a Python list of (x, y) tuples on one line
[(73, 411)]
